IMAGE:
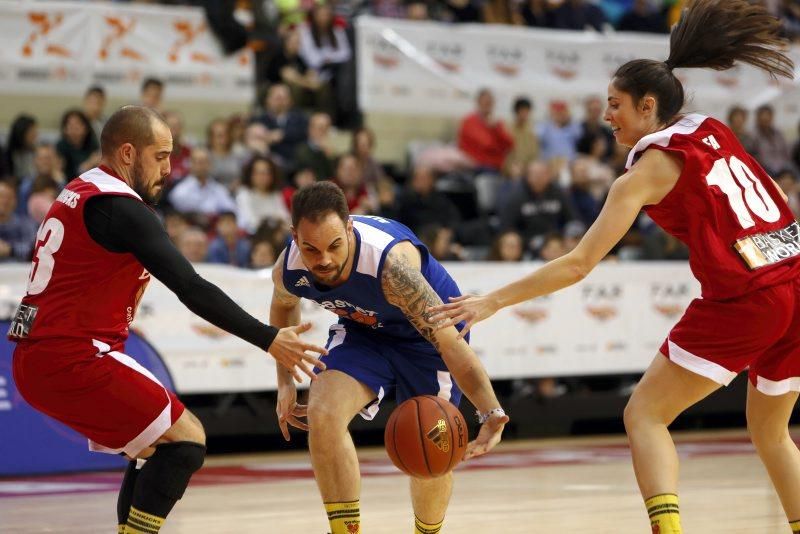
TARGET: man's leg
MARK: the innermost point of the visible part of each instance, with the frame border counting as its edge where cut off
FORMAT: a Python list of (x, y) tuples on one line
[(335, 398), (430, 498), (161, 482)]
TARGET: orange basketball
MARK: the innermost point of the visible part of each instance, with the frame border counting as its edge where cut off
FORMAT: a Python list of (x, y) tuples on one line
[(426, 436)]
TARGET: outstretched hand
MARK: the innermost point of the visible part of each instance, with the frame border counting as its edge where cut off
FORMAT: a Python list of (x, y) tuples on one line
[(288, 411), (490, 434), (468, 308), (291, 352)]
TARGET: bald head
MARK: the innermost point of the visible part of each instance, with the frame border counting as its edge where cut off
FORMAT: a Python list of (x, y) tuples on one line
[(129, 124)]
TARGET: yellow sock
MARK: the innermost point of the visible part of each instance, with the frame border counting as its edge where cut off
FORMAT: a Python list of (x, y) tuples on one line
[(142, 523), (664, 514), (420, 527), (344, 517), (795, 526), (120, 529)]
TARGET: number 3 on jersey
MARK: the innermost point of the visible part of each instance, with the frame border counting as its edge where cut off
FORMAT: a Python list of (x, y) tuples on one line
[(746, 194), (50, 235)]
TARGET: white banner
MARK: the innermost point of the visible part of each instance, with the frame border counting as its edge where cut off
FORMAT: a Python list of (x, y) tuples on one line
[(612, 322), (63, 47), (433, 68)]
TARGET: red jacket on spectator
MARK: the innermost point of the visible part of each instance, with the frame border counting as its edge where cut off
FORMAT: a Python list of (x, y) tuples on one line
[(487, 144)]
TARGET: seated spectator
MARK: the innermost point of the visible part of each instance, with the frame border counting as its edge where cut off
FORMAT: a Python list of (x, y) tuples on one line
[(301, 178), (17, 232), (77, 146), (226, 166), (362, 146), (770, 148), (351, 181), (151, 94), (94, 105), (484, 138), (552, 248), (287, 128), (256, 140), (316, 153), (288, 67), (417, 10), (594, 127), (324, 45), (737, 122), (47, 166), (586, 205), (386, 193), (292, 13), (787, 181), (558, 136), (537, 14), (501, 12), (643, 17), (439, 241), (175, 223), (539, 208), (23, 137), (199, 192), (230, 247), (420, 205), (262, 254), (193, 244), (43, 194), (578, 15), (507, 246), (526, 144), (460, 11), (260, 194), (181, 155)]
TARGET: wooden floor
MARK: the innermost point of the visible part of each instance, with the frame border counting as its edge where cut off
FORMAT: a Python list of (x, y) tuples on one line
[(552, 487)]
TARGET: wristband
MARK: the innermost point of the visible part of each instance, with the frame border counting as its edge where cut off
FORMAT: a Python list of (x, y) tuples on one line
[(483, 417)]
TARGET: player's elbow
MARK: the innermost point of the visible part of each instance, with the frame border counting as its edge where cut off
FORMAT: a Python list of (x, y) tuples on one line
[(578, 266)]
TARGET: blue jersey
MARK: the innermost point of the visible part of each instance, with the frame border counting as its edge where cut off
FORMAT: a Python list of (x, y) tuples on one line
[(360, 302)]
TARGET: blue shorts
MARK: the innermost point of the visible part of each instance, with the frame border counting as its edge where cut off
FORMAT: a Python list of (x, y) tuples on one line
[(411, 368)]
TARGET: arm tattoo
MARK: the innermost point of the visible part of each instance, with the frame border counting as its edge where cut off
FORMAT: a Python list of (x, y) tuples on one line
[(405, 287)]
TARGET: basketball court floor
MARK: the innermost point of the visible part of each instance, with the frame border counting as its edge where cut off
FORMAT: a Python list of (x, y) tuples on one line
[(581, 485)]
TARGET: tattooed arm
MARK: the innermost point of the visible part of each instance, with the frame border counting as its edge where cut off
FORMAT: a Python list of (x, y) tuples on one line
[(405, 287)]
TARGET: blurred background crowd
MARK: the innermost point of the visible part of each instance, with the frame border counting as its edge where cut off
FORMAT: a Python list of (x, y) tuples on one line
[(503, 189)]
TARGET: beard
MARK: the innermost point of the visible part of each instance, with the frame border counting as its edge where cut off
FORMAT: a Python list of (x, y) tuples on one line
[(334, 276), (140, 186)]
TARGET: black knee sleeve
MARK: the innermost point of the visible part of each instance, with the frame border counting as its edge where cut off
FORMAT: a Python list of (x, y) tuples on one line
[(170, 468)]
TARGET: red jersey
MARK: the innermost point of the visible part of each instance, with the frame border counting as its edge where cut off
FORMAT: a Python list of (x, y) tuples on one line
[(77, 288), (741, 234)]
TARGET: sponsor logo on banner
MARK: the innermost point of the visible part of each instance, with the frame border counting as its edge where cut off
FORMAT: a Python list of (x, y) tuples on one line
[(505, 60), (42, 24), (531, 315), (448, 55), (563, 63), (187, 33), (118, 27), (728, 78), (601, 300), (384, 53), (614, 60), (669, 298)]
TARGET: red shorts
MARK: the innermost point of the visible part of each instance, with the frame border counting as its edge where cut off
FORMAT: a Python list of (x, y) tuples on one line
[(759, 331), (106, 396)]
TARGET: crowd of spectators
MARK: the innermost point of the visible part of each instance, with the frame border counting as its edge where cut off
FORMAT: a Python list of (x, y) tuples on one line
[(498, 192)]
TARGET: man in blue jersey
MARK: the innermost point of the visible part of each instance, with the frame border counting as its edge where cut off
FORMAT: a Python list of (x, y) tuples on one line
[(380, 279)]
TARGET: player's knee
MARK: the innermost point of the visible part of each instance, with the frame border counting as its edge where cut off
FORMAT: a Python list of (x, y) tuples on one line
[(765, 433), (325, 417), (172, 466)]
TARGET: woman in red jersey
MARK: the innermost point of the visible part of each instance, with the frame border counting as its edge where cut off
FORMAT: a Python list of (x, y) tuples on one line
[(692, 177)]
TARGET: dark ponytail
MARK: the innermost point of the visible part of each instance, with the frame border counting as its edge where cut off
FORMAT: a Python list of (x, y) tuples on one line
[(711, 34)]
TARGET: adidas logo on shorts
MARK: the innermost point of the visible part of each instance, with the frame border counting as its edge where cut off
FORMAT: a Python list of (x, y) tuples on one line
[(302, 282)]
